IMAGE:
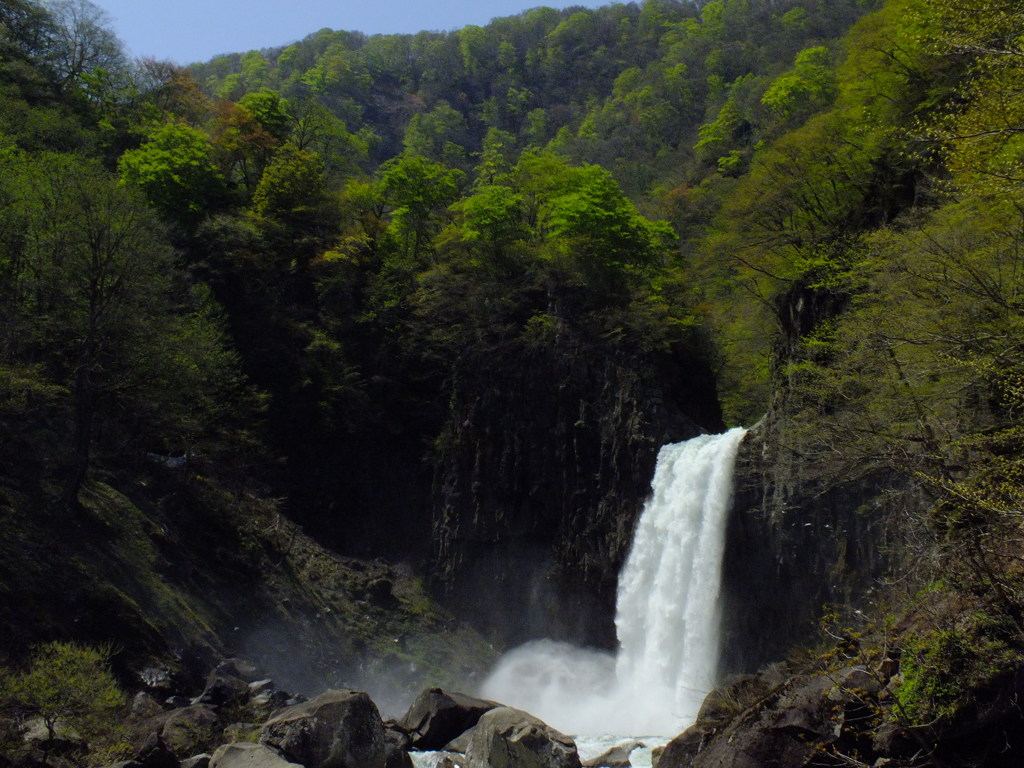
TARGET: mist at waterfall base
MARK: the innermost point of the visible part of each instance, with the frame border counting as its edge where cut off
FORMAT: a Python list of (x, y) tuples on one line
[(667, 614)]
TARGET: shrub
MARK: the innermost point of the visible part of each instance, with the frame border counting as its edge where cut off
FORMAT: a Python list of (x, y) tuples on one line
[(70, 688)]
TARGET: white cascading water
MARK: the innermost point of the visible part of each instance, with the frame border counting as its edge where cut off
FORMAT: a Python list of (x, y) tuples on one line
[(667, 614)]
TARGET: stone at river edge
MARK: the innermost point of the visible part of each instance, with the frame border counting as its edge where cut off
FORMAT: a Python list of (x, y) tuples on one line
[(337, 729), (438, 717), (248, 756), (511, 738), (616, 757), (787, 731)]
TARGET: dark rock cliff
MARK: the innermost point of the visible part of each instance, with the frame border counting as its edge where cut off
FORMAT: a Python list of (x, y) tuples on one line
[(792, 547), (803, 533), (542, 469)]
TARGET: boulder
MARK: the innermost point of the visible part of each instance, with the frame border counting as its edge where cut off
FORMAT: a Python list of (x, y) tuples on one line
[(197, 761), (437, 717), (736, 693), (788, 729), (616, 757), (37, 749), (396, 746), (397, 758), (158, 679), (155, 753), (222, 688), (891, 740), (337, 729), (682, 749), (193, 667), (65, 738), (444, 760), (510, 738), (188, 730), (460, 744), (144, 706), (791, 732), (396, 734), (241, 733), (248, 756), (856, 680), (270, 700)]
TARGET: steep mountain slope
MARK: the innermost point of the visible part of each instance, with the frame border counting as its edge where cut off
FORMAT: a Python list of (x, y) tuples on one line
[(377, 286)]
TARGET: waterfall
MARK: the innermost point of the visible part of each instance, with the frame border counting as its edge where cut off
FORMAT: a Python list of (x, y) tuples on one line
[(667, 613)]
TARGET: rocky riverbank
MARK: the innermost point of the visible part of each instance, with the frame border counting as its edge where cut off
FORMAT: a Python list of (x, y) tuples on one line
[(241, 719)]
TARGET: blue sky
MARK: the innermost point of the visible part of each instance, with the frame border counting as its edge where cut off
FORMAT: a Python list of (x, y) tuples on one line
[(196, 30)]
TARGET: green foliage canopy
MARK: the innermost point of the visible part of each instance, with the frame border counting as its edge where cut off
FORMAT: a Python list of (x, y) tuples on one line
[(176, 172)]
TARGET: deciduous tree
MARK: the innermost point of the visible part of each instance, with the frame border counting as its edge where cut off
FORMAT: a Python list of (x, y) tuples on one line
[(67, 686), (176, 172)]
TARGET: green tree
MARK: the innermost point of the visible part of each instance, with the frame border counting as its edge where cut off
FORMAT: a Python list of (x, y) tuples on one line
[(593, 216), (297, 216), (319, 130), (68, 686), (809, 86), (492, 216), (440, 135), (581, 210), (100, 303), (419, 191), (27, 25), (172, 91), (574, 222), (243, 147), (981, 124), (921, 378), (175, 171), (292, 192), (270, 110), (497, 156), (719, 134)]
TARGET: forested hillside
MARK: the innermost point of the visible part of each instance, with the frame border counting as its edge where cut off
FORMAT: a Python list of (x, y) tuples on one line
[(438, 299)]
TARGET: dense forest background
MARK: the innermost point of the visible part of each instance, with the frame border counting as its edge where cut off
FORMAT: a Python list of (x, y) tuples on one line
[(354, 282)]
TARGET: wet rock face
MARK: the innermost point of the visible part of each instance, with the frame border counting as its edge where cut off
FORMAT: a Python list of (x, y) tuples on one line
[(542, 470), (796, 541), (804, 532)]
